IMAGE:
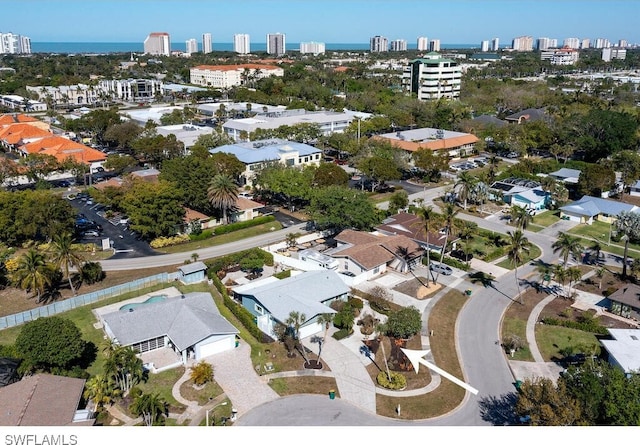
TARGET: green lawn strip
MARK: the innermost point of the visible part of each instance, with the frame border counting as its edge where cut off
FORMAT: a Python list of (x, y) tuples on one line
[(545, 219), (516, 326), (535, 228), (599, 231), (551, 339), (534, 252), (217, 240), (162, 384)]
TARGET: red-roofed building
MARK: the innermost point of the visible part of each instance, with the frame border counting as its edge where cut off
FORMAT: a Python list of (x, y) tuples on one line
[(62, 149), (227, 76), (450, 143), (14, 135)]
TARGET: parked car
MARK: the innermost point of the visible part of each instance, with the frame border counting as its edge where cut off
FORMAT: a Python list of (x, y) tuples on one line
[(91, 233), (440, 268)]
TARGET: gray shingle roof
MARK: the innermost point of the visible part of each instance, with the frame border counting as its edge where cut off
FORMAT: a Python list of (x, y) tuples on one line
[(185, 320), (192, 267), (592, 206)]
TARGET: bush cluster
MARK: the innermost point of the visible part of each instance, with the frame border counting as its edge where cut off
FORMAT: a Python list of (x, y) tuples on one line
[(587, 325), (165, 241), (215, 265), (242, 314), (203, 235), (447, 260), (227, 228), (342, 333), (398, 381)]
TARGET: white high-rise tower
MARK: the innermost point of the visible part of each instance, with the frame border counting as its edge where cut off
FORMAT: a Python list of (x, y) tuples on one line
[(207, 43), (241, 43)]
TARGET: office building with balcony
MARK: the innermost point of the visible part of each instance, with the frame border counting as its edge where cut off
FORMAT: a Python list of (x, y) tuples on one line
[(276, 44), (378, 44), (131, 90), (432, 77), (207, 43), (560, 56), (241, 43), (158, 44)]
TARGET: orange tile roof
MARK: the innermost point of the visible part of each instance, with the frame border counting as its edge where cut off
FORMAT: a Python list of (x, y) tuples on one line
[(7, 119), (247, 204), (248, 66), (434, 145), (63, 148), (13, 134), (341, 69), (193, 215)]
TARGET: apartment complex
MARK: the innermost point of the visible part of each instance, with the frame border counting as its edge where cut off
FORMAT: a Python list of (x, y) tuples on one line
[(609, 54), (571, 42), (452, 144), (227, 76), (378, 44), (544, 43), (522, 43), (314, 48), (432, 77), (133, 90), (399, 45), (14, 44), (66, 95), (495, 44), (423, 44), (158, 44), (276, 44), (434, 45), (207, 43), (241, 43), (191, 46), (560, 56), (601, 43), (484, 46)]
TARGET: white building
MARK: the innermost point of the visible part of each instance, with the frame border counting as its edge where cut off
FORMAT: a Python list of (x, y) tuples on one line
[(572, 42), (314, 48), (185, 133), (609, 54), (522, 43), (67, 95), (560, 56), (19, 103), (241, 43), (134, 90), (207, 43), (227, 76), (495, 44), (585, 43), (158, 43), (432, 77), (543, 43), (622, 43), (14, 44), (399, 45), (423, 44), (276, 44), (191, 46), (434, 45), (378, 44), (484, 46), (600, 43)]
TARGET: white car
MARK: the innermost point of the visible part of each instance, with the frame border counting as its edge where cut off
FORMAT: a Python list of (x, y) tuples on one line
[(91, 233), (440, 268)]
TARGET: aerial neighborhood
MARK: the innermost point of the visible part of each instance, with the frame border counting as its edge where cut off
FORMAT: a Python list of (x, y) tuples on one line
[(406, 235)]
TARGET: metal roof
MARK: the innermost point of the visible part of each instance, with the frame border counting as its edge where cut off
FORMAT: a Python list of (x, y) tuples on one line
[(265, 150)]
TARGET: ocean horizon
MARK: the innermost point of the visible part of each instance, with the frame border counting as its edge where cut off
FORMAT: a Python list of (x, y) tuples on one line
[(138, 47)]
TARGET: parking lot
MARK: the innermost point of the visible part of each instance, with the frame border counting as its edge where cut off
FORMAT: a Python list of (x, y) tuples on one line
[(469, 164)]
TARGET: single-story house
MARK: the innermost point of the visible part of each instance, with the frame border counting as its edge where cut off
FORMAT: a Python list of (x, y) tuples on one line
[(244, 210), (521, 192), (624, 349), (190, 325), (309, 293), (371, 254), (193, 272), (634, 189), (44, 400), (412, 226), (566, 175), (626, 301), (590, 208)]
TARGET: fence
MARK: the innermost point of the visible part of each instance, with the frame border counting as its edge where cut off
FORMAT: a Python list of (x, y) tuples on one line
[(82, 300)]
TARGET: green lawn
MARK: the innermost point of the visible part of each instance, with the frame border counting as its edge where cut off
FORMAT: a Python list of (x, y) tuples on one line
[(545, 219), (162, 384), (551, 339), (517, 327), (534, 252)]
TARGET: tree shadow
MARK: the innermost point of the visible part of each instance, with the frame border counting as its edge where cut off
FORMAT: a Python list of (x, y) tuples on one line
[(499, 411), (483, 278)]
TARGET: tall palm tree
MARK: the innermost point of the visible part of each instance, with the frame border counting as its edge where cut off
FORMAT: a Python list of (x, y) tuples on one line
[(152, 407), (124, 367), (628, 224), (574, 274), (567, 245), (464, 186), (518, 246), (600, 271), (64, 255), (223, 194), (429, 218), (381, 329), (448, 217), (560, 275), (325, 320), (596, 248), (520, 217), (33, 273), (296, 320)]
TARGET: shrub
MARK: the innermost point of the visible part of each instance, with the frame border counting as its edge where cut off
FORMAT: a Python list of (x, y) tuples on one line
[(201, 373), (342, 333), (203, 235), (283, 274), (92, 272), (242, 314), (215, 265), (165, 241), (398, 381), (585, 324)]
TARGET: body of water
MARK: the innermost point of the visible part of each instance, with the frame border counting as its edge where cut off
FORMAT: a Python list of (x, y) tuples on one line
[(137, 47)]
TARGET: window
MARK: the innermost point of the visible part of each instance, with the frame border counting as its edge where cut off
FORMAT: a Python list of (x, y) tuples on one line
[(259, 309)]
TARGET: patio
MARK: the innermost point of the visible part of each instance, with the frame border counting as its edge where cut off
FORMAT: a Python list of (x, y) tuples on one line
[(161, 359)]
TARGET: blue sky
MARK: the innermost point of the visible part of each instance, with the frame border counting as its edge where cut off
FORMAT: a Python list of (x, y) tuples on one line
[(330, 21)]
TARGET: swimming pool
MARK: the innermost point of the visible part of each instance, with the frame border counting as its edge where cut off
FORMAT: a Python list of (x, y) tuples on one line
[(154, 299)]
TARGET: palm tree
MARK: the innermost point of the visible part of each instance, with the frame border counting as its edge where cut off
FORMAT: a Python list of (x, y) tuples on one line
[(560, 275), (124, 367), (518, 246), (600, 271), (428, 217), (295, 320), (65, 256), (381, 329), (100, 391), (152, 407), (464, 186), (33, 273), (448, 216), (223, 194), (628, 224), (596, 247), (324, 319), (574, 274), (567, 245), (520, 217)]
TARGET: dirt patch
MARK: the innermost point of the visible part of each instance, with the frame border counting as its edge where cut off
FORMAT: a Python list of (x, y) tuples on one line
[(416, 288)]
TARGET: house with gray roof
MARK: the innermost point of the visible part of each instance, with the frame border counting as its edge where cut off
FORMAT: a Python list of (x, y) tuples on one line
[(521, 192), (193, 272), (566, 175), (590, 208), (634, 189), (190, 325), (528, 115), (258, 154), (309, 294), (624, 349)]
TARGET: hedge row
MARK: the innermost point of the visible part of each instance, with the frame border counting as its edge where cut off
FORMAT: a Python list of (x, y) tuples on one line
[(587, 326), (205, 234), (241, 313), (227, 228), (217, 264), (342, 333), (447, 260)]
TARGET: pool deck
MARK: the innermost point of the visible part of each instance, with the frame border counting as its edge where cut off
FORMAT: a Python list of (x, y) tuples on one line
[(170, 292)]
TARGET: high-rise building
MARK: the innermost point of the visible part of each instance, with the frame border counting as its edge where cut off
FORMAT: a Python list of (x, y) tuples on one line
[(622, 43), (543, 43), (495, 44), (399, 45), (484, 46), (423, 44), (14, 44), (158, 43), (311, 48), (571, 42), (522, 43), (207, 43), (432, 77), (585, 44), (610, 53), (241, 43), (434, 45), (276, 44), (378, 44), (601, 43), (191, 46), (553, 43)]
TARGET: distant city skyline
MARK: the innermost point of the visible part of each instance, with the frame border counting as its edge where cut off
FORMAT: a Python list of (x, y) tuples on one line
[(351, 21)]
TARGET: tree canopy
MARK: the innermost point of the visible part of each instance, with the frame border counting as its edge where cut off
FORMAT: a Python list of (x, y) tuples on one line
[(404, 323), (337, 208)]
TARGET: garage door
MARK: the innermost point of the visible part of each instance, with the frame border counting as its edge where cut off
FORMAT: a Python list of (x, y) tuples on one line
[(223, 344), (306, 331)]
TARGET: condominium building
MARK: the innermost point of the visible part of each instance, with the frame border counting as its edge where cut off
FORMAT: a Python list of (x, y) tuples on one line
[(543, 44), (432, 77), (158, 44), (191, 46), (495, 44), (399, 45), (207, 43), (601, 43), (378, 44), (14, 44), (434, 45), (484, 46), (227, 76), (622, 43), (572, 42), (611, 53), (423, 44), (585, 44), (276, 44), (66, 95), (241, 43), (134, 90), (560, 56), (314, 48), (522, 43)]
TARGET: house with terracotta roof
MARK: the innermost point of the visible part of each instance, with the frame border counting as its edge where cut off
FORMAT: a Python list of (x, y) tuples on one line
[(15, 135), (16, 118), (373, 254), (453, 144), (412, 226), (44, 400)]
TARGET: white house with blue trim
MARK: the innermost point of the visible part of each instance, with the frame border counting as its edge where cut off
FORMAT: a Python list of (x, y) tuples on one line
[(590, 208), (192, 273), (521, 192)]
